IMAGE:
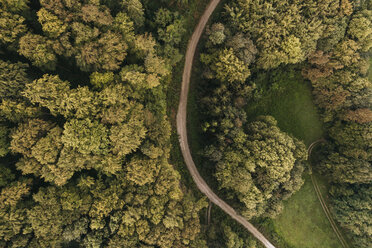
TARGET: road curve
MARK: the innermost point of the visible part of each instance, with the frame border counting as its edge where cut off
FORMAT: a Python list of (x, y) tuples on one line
[(182, 130), (320, 196)]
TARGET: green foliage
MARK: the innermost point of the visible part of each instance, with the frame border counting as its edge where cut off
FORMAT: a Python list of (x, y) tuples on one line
[(260, 164), (50, 23), (99, 80), (216, 33), (135, 11), (13, 78), (352, 209), (98, 154), (27, 134), (39, 50), (86, 136), (243, 47), (127, 137), (14, 5), (171, 27), (285, 31), (229, 68), (48, 92)]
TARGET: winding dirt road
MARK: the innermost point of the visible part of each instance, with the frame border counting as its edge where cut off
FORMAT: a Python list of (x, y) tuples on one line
[(182, 130)]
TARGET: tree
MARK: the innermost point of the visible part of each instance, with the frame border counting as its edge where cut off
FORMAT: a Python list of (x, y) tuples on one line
[(127, 137), (27, 134), (48, 91), (13, 78), (171, 26), (347, 52), (135, 11), (361, 115), (12, 27), (360, 28), (106, 54), (262, 168), (230, 68), (14, 5), (124, 25), (216, 33), (51, 24), (243, 47), (352, 209), (100, 15), (38, 50), (86, 136), (99, 80), (19, 110), (288, 31), (345, 169), (13, 217)]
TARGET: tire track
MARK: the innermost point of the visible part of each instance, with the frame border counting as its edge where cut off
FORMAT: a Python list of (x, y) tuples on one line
[(182, 130), (320, 196)]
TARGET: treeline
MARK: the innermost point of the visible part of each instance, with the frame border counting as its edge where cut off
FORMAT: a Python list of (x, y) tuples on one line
[(85, 163), (343, 92), (257, 163)]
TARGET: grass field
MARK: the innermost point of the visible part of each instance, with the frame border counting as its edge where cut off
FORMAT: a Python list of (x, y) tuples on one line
[(303, 223), (287, 96)]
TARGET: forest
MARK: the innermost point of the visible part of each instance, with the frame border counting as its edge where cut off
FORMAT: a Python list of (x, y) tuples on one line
[(249, 53), (85, 138), (88, 150)]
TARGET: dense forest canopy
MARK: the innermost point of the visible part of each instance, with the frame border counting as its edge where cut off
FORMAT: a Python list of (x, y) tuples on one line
[(84, 132), (85, 140), (256, 164)]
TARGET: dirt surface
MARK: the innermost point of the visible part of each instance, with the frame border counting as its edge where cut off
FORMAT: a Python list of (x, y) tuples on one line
[(320, 196), (182, 130)]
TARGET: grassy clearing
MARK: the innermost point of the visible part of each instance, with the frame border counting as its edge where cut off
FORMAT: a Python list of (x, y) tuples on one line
[(303, 223), (285, 95)]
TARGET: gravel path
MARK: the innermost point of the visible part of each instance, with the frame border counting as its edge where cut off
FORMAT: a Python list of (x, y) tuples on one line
[(182, 130)]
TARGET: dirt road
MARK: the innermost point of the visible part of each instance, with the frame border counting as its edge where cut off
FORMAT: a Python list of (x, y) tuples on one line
[(182, 130), (320, 196)]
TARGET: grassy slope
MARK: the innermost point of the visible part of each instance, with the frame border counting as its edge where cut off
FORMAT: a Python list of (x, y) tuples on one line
[(302, 223)]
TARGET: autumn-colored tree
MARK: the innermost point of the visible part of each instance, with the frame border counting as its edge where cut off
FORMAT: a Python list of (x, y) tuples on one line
[(362, 115), (48, 91), (12, 27), (27, 134), (39, 50), (360, 28)]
